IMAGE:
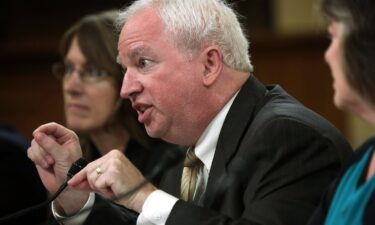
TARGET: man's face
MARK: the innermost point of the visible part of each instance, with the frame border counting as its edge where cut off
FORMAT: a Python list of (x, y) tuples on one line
[(162, 83)]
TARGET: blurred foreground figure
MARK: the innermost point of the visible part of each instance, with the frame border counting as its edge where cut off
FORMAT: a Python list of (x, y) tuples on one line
[(20, 184)]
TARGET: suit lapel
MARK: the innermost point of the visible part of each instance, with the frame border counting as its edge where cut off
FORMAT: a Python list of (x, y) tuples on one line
[(245, 106)]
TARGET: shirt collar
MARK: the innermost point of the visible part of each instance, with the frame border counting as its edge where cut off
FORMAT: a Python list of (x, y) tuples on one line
[(206, 145)]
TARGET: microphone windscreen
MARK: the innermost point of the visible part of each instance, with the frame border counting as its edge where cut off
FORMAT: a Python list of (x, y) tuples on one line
[(76, 167)]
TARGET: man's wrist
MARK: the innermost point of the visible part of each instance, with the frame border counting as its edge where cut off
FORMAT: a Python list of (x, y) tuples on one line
[(70, 202), (136, 202)]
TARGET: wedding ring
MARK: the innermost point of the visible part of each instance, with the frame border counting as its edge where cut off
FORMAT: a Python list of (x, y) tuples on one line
[(98, 170)]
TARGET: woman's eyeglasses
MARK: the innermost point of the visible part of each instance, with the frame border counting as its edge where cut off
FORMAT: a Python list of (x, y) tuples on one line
[(88, 74)]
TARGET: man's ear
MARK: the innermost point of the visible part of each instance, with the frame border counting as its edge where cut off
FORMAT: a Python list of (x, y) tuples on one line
[(213, 65)]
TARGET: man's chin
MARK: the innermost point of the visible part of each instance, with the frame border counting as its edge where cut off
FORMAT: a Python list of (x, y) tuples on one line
[(152, 132)]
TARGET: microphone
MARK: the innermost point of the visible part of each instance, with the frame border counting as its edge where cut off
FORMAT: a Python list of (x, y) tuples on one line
[(75, 168)]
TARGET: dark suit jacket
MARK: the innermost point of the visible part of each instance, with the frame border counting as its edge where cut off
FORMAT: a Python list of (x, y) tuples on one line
[(274, 158)]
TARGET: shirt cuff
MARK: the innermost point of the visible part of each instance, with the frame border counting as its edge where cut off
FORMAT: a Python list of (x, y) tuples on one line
[(79, 218), (156, 209)]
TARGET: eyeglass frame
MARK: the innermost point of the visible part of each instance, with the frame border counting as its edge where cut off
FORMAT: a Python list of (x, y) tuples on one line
[(88, 75)]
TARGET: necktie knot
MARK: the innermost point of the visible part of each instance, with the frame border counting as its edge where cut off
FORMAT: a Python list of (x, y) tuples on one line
[(191, 159)]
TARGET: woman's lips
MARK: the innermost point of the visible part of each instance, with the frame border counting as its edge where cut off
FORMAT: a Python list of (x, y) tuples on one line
[(77, 108)]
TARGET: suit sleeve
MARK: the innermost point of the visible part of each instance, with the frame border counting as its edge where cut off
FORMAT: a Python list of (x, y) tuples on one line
[(321, 211), (291, 165)]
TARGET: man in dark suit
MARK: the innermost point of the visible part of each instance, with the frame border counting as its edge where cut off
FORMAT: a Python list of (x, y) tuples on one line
[(263, 157)]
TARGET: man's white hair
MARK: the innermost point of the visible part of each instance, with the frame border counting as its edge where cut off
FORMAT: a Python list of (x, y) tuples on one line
[(195, 24)]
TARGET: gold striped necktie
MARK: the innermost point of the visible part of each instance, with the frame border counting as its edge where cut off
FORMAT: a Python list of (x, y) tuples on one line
[(192, 165)]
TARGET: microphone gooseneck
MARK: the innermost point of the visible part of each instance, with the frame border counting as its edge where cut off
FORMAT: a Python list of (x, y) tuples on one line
[(75, 168)]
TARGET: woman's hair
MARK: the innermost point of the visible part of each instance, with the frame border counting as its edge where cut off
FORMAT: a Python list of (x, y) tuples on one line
[(358, 18), (97, 39), (194, 25)]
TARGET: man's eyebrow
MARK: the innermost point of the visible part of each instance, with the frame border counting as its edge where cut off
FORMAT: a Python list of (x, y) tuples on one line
[(136, 52)]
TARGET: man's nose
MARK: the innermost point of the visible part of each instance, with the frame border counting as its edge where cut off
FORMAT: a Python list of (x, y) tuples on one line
[(131, 86)]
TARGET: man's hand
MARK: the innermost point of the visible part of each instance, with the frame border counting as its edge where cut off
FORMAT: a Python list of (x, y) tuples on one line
[(53, 150), (111, 176)]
